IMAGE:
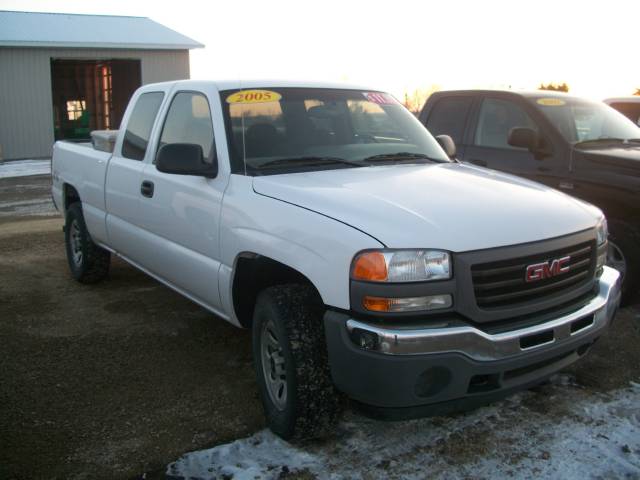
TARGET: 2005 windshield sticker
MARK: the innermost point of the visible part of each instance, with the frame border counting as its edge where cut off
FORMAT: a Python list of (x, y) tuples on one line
[(254, 96), (551, 102), (380, 98)]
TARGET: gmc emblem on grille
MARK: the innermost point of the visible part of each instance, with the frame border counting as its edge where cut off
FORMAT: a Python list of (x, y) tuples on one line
[(540, 271)]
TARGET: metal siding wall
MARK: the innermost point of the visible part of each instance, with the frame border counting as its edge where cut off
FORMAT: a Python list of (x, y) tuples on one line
[(26, 116), (162, 66), (26, 119)]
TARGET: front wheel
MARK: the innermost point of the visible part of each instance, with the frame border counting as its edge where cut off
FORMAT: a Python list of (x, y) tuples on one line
[(623, 254), (291, 363)]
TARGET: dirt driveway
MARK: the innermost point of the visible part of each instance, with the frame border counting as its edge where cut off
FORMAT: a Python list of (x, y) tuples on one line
[(113, 380), (109, 380)]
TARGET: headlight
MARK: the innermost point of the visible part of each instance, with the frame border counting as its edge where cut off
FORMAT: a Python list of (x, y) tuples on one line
[(602, 231), (401, 266)]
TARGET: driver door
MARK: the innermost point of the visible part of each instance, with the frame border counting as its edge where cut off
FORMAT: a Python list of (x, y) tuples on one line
[(180, 214), (489, 145)]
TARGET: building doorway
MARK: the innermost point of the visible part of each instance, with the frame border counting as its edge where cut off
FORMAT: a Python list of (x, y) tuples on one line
[(91, 95)]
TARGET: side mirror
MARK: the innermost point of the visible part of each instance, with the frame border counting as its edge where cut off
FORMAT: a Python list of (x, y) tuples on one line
[(447, 144), (528, 138), (523, 137), (184, 159)]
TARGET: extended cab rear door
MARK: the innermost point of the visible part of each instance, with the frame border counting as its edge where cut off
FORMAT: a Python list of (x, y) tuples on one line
[(450, 115), (123, 180)]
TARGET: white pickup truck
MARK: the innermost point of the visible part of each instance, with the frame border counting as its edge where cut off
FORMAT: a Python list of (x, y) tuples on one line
[(365, 259)]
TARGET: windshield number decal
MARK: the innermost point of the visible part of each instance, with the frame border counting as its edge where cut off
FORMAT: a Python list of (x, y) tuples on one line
[(551, 102), (254, 96), (380, 98)]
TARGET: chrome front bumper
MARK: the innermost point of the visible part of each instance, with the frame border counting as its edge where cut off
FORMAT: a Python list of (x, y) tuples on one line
[(482, 346)]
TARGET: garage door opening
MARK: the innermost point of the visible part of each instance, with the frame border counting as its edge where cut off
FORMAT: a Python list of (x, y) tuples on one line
[(91, 95)]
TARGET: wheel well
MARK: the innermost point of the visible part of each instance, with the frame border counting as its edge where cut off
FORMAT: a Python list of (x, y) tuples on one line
[(254, 273), (70, 196)]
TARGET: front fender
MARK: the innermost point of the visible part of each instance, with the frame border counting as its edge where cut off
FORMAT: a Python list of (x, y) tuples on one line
[(318, 247)]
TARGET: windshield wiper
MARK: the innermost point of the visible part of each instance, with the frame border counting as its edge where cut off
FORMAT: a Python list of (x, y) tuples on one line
[(596, 141), (400, 156), (307, 161)]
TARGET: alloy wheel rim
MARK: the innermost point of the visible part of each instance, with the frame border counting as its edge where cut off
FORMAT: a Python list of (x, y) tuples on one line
[(273, 365), (76, 243)]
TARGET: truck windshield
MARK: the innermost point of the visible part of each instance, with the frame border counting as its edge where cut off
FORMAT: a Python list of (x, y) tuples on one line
[(582, 122), (283, 130)]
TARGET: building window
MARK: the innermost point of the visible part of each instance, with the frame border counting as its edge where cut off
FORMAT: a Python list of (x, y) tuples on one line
[(75, 109)]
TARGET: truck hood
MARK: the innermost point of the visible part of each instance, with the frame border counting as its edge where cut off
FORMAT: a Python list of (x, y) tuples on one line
[(448, 206), (625, 157)]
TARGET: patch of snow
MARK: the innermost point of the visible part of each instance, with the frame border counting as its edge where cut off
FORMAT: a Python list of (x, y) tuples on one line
[(556, 431), (24, 168)]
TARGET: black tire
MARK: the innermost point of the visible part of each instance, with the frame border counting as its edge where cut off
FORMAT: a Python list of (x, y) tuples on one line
[(88, 262), (311, 406), (624, 243)]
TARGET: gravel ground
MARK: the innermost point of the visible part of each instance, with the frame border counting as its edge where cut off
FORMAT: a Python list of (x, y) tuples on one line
[(24, 197), (124, 377)]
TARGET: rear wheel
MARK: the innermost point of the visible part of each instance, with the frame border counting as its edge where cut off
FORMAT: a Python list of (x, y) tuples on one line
[(291, 364), (87, 261)]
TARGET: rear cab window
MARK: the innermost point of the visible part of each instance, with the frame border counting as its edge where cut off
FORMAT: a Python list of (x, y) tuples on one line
[(139, 125), (631, 110)]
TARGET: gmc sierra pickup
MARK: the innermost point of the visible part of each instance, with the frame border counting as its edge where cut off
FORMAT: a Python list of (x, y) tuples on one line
[(329, 221)]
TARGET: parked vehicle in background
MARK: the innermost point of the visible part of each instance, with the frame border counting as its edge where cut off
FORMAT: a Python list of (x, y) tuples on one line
[(330, 222), (628, 106), (582, 147)]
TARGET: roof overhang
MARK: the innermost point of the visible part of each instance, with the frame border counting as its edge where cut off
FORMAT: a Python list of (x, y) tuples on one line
[(101, 45)]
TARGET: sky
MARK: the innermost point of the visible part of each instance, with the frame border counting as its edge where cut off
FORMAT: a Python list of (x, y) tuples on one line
[(401, 46)]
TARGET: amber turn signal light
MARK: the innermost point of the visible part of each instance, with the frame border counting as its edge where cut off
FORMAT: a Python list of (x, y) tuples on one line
[(376, 304), (370, 267), (410, 304)]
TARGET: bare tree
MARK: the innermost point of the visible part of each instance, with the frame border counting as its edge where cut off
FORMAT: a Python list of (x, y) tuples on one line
[(556, 87), (415, 101)]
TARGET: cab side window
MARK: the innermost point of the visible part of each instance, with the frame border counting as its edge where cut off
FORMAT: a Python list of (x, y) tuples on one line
[(189, 121), (136, 136), (449, 117), (496, 119)]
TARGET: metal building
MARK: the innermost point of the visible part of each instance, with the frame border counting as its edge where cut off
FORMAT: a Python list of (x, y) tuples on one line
[(63, 75)]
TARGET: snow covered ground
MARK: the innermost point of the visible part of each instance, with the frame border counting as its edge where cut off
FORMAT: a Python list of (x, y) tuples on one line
[(559, 430), (24, 168)]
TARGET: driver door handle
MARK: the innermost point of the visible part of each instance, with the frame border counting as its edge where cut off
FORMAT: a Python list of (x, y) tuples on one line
[(146, 189)]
